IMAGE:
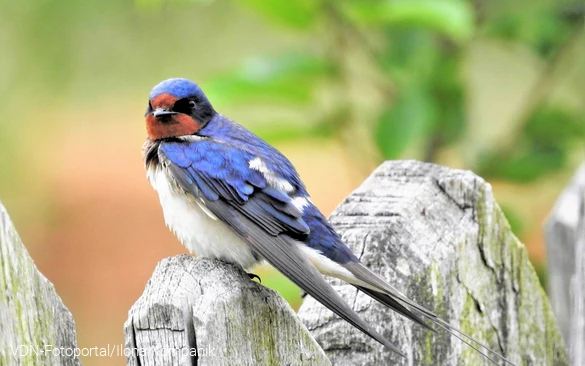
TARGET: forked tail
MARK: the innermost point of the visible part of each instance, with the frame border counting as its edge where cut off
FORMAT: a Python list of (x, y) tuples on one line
[(383, 292)]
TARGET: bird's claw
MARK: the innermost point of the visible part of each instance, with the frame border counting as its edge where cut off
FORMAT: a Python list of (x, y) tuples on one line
[(253, 276)]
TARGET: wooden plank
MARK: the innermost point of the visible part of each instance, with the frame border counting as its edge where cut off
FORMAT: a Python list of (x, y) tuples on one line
[(565, 243), (35, 327), (438, 235), (207, 312)]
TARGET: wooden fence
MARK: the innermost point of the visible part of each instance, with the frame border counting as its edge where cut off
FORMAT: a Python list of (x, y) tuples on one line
[(565, 237), (435, 233)]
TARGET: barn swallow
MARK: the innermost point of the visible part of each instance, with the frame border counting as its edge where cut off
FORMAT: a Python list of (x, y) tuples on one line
[(227, 194)]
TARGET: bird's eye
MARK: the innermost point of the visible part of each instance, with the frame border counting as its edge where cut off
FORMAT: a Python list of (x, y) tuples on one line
[(184, 106)]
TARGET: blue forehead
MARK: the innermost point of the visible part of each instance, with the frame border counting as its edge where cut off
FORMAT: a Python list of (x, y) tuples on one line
[(180, 88)]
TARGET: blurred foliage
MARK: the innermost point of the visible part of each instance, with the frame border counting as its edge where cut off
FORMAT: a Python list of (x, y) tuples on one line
[(542, 147), (387, 78), (270, 80), (299, 14), (417, 52), (450, 18)]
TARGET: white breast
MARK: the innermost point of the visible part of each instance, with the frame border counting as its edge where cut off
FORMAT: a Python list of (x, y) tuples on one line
[(198, 229)]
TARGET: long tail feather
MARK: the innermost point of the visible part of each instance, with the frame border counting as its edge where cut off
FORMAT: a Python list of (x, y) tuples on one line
[(378, 284), (412, 315), (460, 335), (396, 306), (386, 294)]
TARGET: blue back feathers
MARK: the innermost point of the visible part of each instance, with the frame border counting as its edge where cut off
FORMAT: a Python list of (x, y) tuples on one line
[(178, 87)]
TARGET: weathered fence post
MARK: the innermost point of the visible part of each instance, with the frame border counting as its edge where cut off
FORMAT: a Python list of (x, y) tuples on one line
[(206, 312), (438, 235), (435, 233), (35, 327), (565, 242)]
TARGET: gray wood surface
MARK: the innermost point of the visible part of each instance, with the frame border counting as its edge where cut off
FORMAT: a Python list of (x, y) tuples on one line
[(35, 327), (565, 242), (205, 312), (438, 235)]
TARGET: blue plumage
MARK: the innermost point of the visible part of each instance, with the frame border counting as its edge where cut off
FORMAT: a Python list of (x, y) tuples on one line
[(180, 88)]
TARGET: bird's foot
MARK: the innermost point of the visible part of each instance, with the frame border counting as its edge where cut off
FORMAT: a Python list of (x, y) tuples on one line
[(254, 275)]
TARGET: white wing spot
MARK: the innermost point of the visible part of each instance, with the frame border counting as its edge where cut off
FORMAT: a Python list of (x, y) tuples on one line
[(301, 202), (258, 164), (273, 180)]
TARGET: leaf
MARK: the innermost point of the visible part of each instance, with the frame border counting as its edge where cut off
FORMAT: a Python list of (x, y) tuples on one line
[(409, 119), (451, 18), (450, 96), (543, 147), (288, 79), (554, 125), (528, 163), (413, 52), (541, 26), (299, 14)]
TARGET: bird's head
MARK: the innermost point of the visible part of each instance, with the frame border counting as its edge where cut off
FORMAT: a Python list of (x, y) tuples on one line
[(177, 107)]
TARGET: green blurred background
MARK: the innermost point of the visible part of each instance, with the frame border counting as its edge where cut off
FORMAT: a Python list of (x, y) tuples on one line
[(497, 87)]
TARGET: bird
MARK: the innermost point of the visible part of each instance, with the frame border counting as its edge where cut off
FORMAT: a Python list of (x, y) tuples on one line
[(227, 194)]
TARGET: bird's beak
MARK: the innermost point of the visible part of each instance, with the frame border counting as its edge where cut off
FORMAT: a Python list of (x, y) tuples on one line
[(160, 112)]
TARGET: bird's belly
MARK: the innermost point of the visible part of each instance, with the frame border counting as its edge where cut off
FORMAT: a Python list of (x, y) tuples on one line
[(200, 233)]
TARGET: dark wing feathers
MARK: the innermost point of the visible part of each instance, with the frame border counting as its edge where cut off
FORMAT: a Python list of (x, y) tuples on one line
[(202, 184), (395, 305), (185, 181), (277, 194), (255, 213)]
